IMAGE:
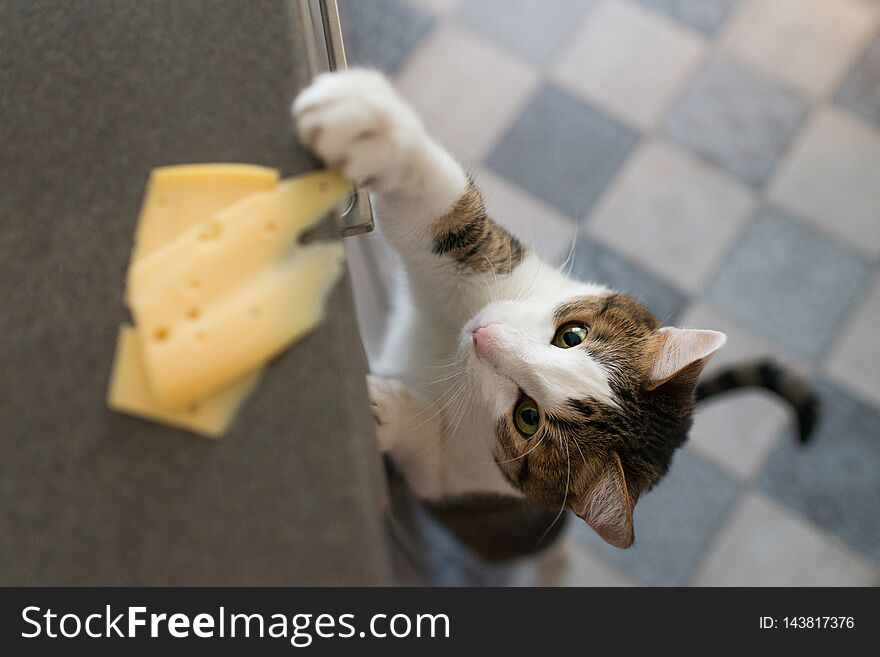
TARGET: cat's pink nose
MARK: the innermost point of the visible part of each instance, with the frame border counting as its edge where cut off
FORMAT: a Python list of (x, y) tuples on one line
[(485, 339)]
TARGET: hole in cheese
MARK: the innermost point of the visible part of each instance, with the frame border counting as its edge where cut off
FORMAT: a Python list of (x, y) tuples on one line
[(271, 226), (161, 333), (193, 313), (211, 231)]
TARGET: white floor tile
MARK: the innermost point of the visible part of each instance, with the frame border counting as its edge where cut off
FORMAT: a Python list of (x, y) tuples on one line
[(465, 89), (672, 213), (630, 61)]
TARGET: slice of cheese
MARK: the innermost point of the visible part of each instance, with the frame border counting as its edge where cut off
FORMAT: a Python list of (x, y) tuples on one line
[(129, 393), (177, 198), (194, 357), (207, 260), (181, 196), (229, 294)]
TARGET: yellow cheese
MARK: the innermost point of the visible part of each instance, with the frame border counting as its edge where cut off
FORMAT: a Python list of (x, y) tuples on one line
[(129, 393), (229, 294), (181, 196), (234, 244), (177, 198), (192, 358)]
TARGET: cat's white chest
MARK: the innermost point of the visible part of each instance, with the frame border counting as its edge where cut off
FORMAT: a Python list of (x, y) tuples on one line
[(457, 435)]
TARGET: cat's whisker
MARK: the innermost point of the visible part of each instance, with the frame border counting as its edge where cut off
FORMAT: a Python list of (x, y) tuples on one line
[(565, 497), (445, 362), (418, 454), (673, 313), (522, 288), (452, 399), (450, 435), (529, 291), (581, 452), (573, 258), (440, 398), (509, 252), (494, 274), (446, 435), (489, 289), (571, 249), (521, 456), (442, 367), (447, 377)]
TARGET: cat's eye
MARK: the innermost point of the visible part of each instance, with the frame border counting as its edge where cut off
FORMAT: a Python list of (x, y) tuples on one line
[(570, 335), (526, 417)]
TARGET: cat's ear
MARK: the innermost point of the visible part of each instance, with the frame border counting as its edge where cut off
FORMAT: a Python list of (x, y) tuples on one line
[(608, 506), (684, 354)]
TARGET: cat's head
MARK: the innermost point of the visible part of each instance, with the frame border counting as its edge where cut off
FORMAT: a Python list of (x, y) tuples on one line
[(589, 396)]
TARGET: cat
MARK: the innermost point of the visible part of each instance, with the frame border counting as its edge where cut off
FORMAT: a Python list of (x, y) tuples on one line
[(500, 375)]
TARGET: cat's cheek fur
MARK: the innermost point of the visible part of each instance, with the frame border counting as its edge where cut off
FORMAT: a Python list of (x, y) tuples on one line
[(496, 393), (522, 354)]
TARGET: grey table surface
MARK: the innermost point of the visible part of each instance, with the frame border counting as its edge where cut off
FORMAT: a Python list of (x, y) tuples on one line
[(93, 95)]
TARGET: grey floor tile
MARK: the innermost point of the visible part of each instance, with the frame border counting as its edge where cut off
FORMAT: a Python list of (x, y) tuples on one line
[(562, 150), (441, 7), (736, 118), (744, 343), (790, 282), (674, 523), (535, 30), (835, 480), (860, 91), (763, 544), (672, 212), (830, 178), (382, 33), (597, 263), (704, 15)]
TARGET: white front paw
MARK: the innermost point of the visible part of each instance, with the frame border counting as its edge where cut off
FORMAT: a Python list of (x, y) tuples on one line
[(356, 123), (389, 402)]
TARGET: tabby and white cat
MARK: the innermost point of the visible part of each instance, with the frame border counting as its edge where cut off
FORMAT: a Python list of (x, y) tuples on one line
[(500, 375)]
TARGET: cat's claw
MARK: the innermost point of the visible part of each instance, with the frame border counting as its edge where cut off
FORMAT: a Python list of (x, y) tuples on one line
[(356, 123)]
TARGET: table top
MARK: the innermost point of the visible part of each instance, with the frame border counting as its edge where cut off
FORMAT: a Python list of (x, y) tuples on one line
[(96, 94)]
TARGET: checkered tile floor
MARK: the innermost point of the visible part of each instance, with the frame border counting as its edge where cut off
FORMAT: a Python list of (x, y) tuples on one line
[(721, 160)]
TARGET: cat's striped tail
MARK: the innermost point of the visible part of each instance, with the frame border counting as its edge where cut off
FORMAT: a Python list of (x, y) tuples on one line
[(771, 376)]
